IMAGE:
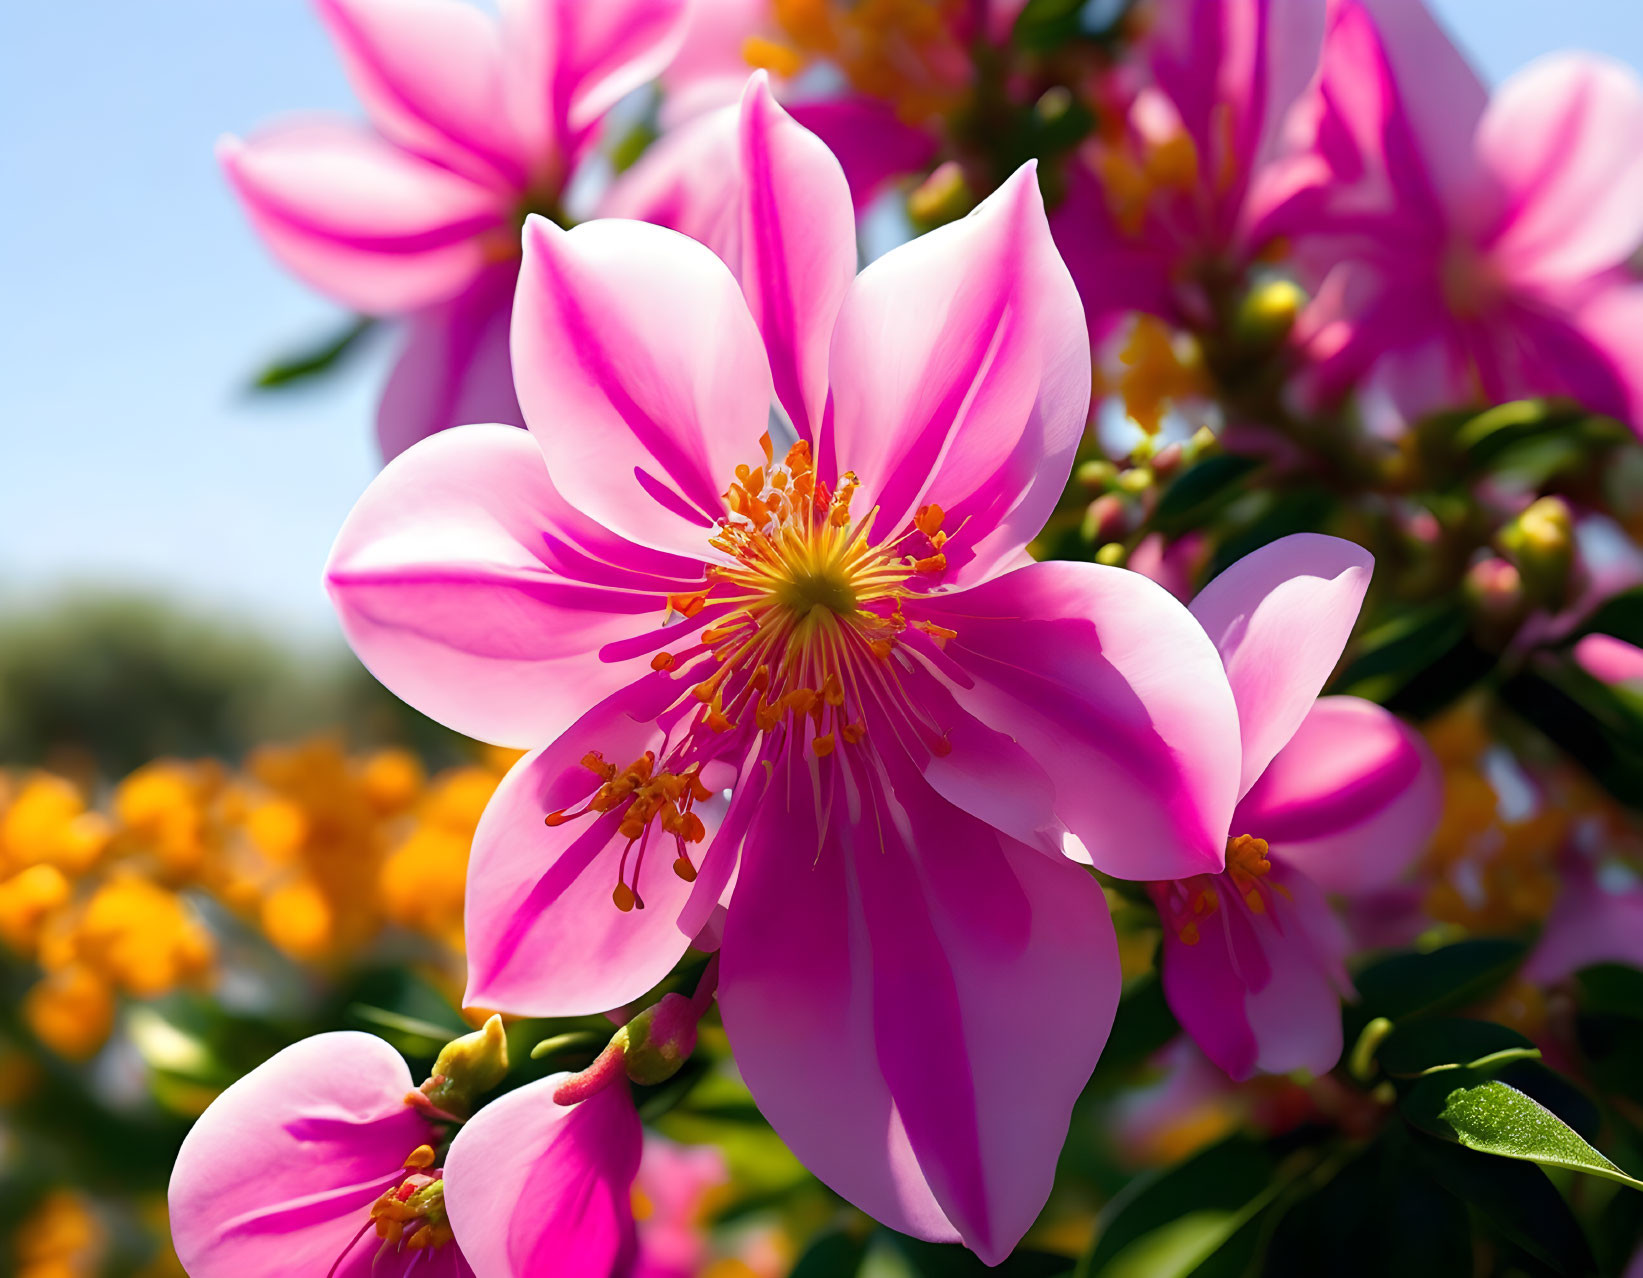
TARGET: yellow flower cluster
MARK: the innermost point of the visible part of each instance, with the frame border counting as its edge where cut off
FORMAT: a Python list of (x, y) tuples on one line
[(61, 1238), (319, 850), (904, 52), (1491, 865)]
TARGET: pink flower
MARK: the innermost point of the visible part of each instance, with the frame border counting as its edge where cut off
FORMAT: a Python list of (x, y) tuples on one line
[(1184, 179), (1594, 921), (473, 121), (911, 718), (317, 1162), (674, 1189), (1609, 659), (1337, 795), (1473, 249)]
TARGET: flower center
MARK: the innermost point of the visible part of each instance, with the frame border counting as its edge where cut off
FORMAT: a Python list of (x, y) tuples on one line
[(410, 1216), (807, 613), (1186, 903)]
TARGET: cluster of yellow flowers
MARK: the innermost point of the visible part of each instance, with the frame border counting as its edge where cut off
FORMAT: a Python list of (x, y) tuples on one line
[(1492, 865), (319, 850)]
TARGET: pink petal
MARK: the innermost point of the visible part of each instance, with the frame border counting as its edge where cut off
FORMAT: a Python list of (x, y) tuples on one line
[(1115, 273), (1260, 992), (961, 376), (709, 71), (536, 1188), (1281, 618), (454, 368), (365, 223), (1564, 139), (641, 374), (1202, 985), (1609, 659), (429, 73), (544, 936), (681, 182), (1296, 1016), (1080, 683), (279, 1174), (877, 986), (1432, 105), (467, 585), (798, 249), (569, 61), (1350, 801)]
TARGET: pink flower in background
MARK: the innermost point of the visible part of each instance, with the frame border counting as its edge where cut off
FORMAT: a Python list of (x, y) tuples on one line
[(316, 1163), (1594, 921), (1337, 795), (473, 122), (1191, 161), (911, 718), (1609, 659), (1468, 249), (673, 1199)]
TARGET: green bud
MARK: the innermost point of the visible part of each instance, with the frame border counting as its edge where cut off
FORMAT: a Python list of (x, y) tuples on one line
[(467, 1068), (1105, 518), (1096, 475), (1267, 313), (944, 196), (659, 1040), (1112, 554), (1541, 542), (1136, 480)]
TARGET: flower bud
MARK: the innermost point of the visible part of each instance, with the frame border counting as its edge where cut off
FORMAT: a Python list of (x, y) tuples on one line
[(943, 197), (1541, 542), (1267, 313), (467, 1068), (1096, 475), (659, 1040), (1493, 589), (1105, 519)]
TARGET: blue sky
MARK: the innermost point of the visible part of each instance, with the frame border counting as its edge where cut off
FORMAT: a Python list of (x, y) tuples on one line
[(136, 304)]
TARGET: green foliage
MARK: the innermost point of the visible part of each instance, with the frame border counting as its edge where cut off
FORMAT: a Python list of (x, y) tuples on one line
[(324, 356)]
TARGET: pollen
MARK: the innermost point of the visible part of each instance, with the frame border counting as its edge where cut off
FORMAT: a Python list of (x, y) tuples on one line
[(804, 616)]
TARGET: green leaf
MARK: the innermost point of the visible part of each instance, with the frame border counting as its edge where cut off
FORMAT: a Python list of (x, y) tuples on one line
[(1619, 615), (834, 1255), (1516, 1202), (1201, 491), (1169, 1224), (1493, 1117), (944, 1260), (1143, 1025), (1405, 650), (1599, 726), (1419, 1047), (1406, 986), (1378, 1214), (1611, 989), (322, 357)]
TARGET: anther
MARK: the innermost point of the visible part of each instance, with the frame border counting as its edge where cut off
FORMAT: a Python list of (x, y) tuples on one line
[(624, 897), (420, 1157), (662, 661)]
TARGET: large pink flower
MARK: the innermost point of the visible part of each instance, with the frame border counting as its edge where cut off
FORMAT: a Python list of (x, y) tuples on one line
[(317, 1162), (912, 720), (473, 121), (1337, 795), (1469, 249), (1194, 159)]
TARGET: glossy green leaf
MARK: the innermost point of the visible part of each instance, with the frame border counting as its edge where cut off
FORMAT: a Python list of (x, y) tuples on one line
[(1493, 1117)]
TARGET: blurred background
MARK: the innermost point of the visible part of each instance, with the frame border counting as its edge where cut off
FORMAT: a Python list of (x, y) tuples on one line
[(208, 812)]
